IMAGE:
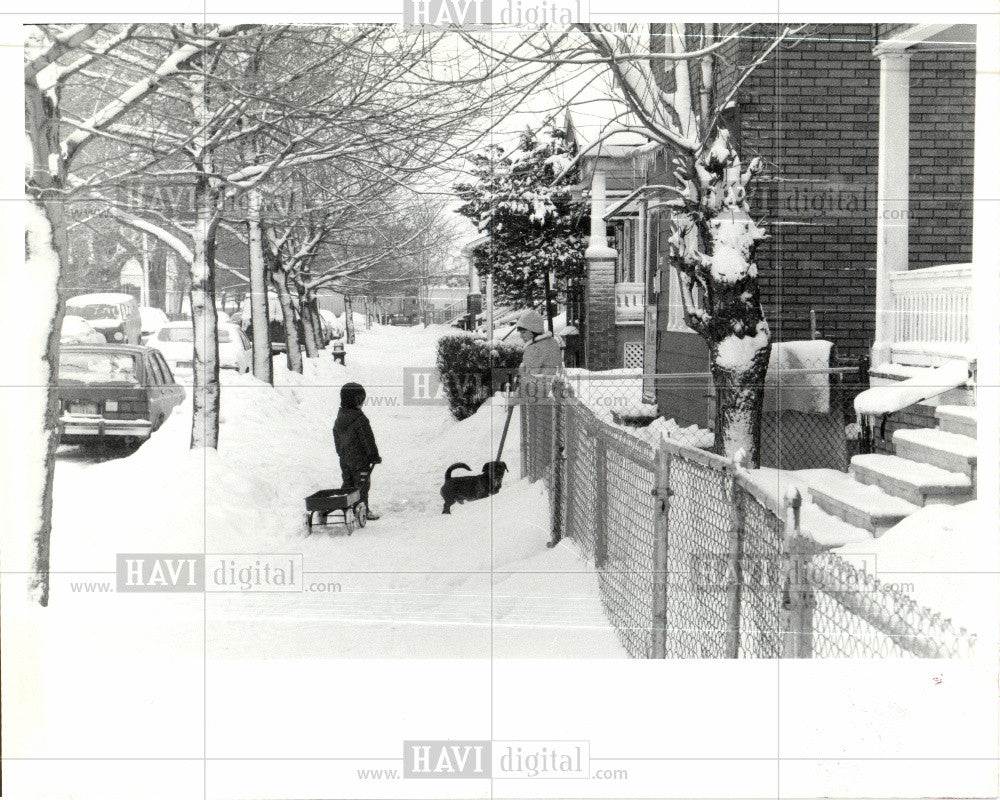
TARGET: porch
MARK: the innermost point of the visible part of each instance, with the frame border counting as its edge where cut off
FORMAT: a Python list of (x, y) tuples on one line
[(926, 316)]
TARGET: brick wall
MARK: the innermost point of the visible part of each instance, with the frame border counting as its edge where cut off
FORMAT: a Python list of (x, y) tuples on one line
[(918, 416), (811, 112), (942, 117)]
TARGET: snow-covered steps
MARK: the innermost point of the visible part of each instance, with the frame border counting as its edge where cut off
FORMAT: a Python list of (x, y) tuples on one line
[(957, 419), (912, 481), (949, 451), (858, 504)]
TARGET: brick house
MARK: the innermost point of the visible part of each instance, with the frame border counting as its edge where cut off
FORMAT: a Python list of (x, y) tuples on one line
[(867, 136), (614, 292)]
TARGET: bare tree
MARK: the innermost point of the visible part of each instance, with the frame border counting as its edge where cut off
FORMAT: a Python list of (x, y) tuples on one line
[(55, 59)]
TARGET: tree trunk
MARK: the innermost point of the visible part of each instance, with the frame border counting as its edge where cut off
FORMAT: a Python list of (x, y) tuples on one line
[(738, 404), (205, 422), (293, 356), (308, 328), (348, 319), (259, 312), (46, 247), (314, 317), (46, 253)]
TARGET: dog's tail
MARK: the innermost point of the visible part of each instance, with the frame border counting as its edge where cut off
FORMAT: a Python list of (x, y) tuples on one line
[(447, 474)]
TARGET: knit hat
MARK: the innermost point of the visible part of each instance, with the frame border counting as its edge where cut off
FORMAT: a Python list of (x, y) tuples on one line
[(352, 395), (532, 321)]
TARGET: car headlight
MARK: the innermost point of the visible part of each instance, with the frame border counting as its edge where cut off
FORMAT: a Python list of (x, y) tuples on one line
[(118, 336)]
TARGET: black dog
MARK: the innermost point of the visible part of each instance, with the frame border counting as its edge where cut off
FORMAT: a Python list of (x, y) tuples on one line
[(471, 487)]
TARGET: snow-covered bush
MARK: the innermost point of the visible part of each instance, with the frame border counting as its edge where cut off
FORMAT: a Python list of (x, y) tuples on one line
[(467, 365)]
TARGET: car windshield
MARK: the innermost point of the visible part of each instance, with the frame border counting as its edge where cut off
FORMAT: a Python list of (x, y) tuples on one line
[(98, 311), (176, 335), (91, 366)]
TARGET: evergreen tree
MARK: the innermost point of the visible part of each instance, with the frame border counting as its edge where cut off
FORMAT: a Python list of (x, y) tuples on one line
[(536, 229)]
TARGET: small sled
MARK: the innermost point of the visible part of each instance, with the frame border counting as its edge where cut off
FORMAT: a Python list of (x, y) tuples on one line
[(327, 502)]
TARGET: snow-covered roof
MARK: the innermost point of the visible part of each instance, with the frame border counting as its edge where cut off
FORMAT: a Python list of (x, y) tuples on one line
[(602, 127)]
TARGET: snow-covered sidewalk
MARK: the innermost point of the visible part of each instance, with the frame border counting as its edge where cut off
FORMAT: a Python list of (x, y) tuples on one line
[(416, 583)]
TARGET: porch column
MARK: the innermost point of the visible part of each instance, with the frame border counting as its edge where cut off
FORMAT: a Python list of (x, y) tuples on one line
[(599, 313), (892, 225)]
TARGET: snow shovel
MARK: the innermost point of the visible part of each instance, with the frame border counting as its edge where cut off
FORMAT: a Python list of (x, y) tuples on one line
[(506, 427)]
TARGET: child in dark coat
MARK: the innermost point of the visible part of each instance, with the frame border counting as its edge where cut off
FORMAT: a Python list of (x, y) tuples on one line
[(352, 434)]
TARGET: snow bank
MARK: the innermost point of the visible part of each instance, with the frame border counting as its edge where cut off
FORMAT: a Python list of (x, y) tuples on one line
[(690, 435), (945, 558), (880, 400)]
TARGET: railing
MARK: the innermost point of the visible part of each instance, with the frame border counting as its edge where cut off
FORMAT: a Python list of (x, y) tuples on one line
[(629, 301), (931, 309)]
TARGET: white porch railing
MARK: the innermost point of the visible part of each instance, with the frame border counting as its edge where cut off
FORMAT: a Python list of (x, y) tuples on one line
[(629, 301), (931, 310), (932, 304)]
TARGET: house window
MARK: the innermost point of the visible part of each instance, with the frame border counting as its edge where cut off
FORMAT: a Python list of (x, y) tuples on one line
[(625, 239), (632, 355)]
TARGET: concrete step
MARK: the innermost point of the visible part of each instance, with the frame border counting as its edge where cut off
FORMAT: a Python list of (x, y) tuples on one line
[(949, 451), (912, 481), (856, 503), (957, 419)]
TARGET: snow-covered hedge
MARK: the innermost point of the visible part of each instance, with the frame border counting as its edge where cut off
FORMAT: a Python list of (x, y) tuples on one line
[(466, 365)]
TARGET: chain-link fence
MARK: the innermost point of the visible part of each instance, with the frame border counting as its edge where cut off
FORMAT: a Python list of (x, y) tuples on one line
[(841, 611), (696, 560), (807, 416)]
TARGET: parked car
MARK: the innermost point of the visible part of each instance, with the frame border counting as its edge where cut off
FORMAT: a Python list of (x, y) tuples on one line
[(235, 349), (76, 330), (334, 322), (152, 320), (113, 392), (175, 341), (112, 314)]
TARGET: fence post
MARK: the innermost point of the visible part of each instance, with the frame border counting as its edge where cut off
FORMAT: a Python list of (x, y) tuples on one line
[(558, 479), (570, 471), (734, 570), (601, 503), (799, 600), (661, 495)]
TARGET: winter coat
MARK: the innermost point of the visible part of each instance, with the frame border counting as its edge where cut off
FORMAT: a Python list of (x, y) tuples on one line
[(542, 359), (352, 434)]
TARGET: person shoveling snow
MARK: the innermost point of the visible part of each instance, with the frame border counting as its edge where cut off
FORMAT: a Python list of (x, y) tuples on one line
[(355, 442)]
